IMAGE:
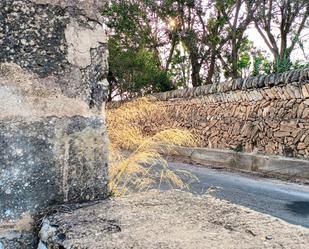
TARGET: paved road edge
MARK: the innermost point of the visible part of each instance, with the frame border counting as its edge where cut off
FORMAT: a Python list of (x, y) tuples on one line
[(275, 165)]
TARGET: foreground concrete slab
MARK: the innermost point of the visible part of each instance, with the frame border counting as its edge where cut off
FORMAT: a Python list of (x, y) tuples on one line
[(166, 220)]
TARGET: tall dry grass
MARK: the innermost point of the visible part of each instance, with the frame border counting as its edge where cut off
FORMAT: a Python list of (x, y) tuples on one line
[(135, 159)]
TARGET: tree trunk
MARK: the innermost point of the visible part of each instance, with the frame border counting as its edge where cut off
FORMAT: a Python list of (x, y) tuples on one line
[(170, 57), (195, 74), (234, 69), (211, 69)]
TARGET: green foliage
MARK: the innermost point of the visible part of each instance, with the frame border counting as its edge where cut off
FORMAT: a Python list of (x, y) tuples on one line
[(285, 64), (260, 64), (244, 54), (137, 72), (244, 61), (257, 64), (135, 66), (127, 22), (282, 64), (179, 69), (206, 40), (300, 65)]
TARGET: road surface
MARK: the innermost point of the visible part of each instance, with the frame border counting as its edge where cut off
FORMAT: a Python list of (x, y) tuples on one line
[(284, 200)]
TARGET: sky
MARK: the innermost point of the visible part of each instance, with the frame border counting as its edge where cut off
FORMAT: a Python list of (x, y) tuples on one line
[(297, 54)]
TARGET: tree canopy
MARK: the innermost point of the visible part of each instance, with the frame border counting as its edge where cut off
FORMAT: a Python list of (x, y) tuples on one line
[(159, 45)]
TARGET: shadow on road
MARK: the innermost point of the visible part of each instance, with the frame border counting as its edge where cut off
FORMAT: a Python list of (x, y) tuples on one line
[(300, 208)]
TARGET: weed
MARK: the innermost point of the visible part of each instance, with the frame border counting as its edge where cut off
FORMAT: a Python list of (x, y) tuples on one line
[(134, 157)]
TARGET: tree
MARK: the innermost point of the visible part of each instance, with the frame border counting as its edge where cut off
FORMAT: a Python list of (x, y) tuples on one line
[(135, 63), (196, 42), (261, 65), (281, 23), (211, 31), (135, 72), (238, 14), (183, 16)]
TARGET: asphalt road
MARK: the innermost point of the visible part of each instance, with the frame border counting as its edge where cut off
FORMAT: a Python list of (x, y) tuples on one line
[(284, 200)]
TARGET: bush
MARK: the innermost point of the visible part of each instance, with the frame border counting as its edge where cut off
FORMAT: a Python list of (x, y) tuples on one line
[(136, 72)]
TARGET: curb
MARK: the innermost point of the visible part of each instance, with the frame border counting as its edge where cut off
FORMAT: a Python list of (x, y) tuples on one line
[(242, 161)]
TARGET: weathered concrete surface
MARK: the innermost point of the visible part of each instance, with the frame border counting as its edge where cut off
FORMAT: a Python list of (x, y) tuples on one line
[(18, 235), (16, 239), (50, 161), (169, 220), (23, 94), (53, 141), (80, 42), (274, 165), (59, 42)]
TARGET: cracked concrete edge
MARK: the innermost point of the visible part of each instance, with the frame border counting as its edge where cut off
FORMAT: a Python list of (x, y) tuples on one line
[(274, 165)]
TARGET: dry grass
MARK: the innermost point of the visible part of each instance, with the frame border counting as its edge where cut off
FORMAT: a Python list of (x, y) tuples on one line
[(138, 169), (26, 223)]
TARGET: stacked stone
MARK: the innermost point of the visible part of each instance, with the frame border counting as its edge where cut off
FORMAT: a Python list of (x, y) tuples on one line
[(255, 86), (265, 114), (53, 68)]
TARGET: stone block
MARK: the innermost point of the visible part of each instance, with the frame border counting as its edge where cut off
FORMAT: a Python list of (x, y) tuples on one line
[(295, 76), (271, 80), (237, 84), (50, 161), (304, 75), (57, 41), (53, 68), (305, 114), (305, 90), (260, 82), (301, 146), (285, 92), (290, 91)]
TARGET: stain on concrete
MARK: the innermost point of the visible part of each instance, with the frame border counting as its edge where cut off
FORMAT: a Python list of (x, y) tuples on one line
[(81, 40)]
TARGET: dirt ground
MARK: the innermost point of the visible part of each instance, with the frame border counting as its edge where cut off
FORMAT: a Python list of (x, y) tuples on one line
[(173, 220)]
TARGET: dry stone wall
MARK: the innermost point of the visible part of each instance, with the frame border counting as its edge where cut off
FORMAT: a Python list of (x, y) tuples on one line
[(53, 146), (266, 114)]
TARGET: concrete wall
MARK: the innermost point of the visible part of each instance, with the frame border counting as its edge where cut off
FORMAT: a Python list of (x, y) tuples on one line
[(53, 146), (266, 114)]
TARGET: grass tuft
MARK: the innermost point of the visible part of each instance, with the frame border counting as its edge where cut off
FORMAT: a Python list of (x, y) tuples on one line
[(135, 157)]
